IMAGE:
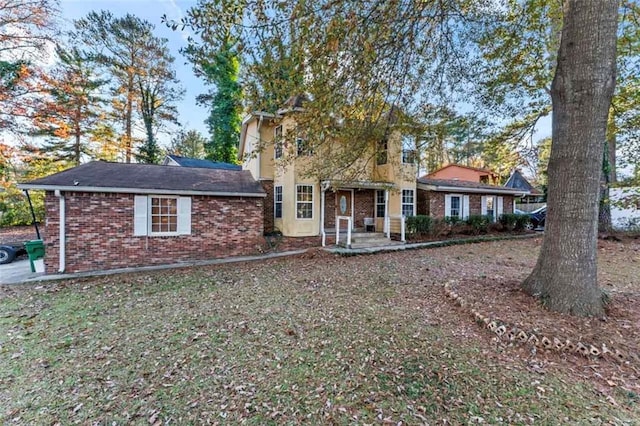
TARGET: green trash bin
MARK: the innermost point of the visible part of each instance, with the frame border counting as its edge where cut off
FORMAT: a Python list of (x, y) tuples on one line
[(35, 250)]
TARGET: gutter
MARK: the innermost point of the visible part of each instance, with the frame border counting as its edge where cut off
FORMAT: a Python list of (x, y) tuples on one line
[(145, 191), (438, 188)]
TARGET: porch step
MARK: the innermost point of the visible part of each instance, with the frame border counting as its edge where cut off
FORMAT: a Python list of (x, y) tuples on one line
[(367, 239)]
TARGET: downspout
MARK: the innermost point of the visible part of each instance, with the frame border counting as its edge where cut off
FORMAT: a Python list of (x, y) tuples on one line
[(62, 236)]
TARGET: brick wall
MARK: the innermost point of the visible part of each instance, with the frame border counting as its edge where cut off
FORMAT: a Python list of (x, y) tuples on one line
[(268, 210), (423, 207), (329, 210), (364, 205), (99, 230), (432, 203)]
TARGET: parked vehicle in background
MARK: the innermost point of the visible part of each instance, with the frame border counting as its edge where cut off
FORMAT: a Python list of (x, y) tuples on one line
[(537, 218), (9, 251)]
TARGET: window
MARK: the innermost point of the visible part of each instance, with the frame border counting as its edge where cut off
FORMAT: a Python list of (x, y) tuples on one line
[(380, 205), (164, 215), (383, 146), (277, 142), (407, 202), (490, 208), (302, 147), (408, 156), (161, 215), (456, 207), (277, 202), (304, 201), (408, 150)]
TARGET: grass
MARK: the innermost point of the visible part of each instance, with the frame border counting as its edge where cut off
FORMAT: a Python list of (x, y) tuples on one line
[(304, 340)]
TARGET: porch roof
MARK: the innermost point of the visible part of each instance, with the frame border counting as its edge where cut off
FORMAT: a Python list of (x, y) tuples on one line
[(357, 184)]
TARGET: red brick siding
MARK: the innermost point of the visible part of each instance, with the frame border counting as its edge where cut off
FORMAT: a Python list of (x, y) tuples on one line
[(423, 207), (329, 210), (432, 203), (364, 206), (99, 232), (268, 210)]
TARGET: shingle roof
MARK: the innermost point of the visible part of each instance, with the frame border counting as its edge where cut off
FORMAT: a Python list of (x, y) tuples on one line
[(517, 181), (204, 164), (464, 184), (102, 176)]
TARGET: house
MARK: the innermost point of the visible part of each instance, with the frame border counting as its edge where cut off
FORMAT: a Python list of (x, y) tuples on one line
[(534, 196), (440, 198), (176, 160), (103, 215), (625, 207), (369, 195), (465, 173)]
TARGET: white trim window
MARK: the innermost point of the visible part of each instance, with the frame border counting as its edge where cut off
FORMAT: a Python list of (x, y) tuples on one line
[(492, 205), (304, 201), (278, 142), (456, 205), (380, 204), (408, 202), (277, 202), (302, 147), (156, 215)]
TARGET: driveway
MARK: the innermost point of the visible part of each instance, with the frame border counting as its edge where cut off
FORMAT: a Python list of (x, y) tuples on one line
[(17, 271)]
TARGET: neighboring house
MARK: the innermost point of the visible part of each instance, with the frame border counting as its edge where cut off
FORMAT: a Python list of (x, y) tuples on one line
[(465, 173), (176, 160), (625, 208), (306, 207), (518, 181), (440, 198), (103, 215)]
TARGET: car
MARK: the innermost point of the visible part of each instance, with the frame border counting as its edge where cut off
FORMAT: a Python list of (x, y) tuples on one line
[(518, 211), (9, 251), (537, 218)]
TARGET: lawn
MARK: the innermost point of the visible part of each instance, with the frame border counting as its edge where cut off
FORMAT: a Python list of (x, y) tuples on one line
[(313, 339)]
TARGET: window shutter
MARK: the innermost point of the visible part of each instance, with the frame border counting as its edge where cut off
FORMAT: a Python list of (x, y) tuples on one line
[(140, 212), (184, 215), (465, 207), (447, 205), (483, 206), (500, 206)]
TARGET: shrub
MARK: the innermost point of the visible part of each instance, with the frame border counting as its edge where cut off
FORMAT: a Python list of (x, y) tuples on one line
[(521, 221), (508, 220), (417, 225), (452, 220), (478, 223)]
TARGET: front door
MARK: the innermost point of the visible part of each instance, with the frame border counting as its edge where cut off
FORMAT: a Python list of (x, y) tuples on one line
[(344, 206)]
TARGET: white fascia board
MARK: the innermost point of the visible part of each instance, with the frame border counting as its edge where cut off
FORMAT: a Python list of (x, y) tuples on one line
[(464, 189), (140, 191)]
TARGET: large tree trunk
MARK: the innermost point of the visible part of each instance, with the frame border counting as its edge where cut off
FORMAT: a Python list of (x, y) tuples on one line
[(565, 277)]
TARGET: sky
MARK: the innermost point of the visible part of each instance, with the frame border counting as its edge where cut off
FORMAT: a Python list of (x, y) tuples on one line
[(191, 115)]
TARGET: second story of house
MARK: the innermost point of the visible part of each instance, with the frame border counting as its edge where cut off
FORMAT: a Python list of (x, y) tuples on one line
[(465, 173), (275, 147)]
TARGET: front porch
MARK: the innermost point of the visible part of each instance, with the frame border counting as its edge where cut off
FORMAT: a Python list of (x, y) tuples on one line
[(357, 214)]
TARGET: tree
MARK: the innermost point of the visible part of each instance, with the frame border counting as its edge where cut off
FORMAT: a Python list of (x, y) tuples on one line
[(25, 28), (565, 276), (158, 90), (215, 57), (188, 144), (124, 46), (73, 107)]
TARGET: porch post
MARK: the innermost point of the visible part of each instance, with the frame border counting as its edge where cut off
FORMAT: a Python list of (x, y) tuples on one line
[(322, 194), (387, 223)]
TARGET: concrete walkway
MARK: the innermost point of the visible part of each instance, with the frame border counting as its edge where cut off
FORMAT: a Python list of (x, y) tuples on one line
[(19, 272)]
